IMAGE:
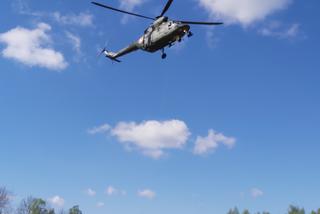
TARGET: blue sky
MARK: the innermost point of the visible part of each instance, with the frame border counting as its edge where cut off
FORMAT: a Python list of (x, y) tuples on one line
[(230, 118)]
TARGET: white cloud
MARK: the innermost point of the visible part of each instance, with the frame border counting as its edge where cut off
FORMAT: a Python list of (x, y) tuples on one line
[(244, 12), (256, 193), (152, 137), (56, 201), (111, 190), (90, 192), (83, 19), (100, 204), (75, 41), (114, 191), (210, 143), (100, 129), (211, 39), (30, 47), (278, 30), (22, 7), (130, 4), (147, 193)]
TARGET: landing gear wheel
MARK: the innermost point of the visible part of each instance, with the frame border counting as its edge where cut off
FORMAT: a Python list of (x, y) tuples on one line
[(190, 34), (164, 55)]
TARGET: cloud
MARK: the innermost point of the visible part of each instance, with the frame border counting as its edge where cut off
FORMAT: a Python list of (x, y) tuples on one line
[(278, 30), (100, 204), (130, 4), (211, 39), (152, 137), (22, 7), (56, 201), (111, 190), (31, 47), (146, 193), (100, 130), (83, 19), (210, 143), (114, 191), (75, 41), (244, 12), (256, 193), (90, 192)]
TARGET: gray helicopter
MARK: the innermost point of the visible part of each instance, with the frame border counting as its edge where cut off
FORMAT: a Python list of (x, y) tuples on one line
[(162, 33)]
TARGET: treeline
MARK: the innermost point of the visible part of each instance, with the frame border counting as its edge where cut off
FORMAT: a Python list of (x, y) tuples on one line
[(291, 210), (30, 205), (39, 206)]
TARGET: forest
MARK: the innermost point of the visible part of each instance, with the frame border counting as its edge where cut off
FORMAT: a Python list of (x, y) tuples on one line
[(32, 205)]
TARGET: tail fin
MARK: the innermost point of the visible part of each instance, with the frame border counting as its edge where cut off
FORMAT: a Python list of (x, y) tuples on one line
[(109, 55)]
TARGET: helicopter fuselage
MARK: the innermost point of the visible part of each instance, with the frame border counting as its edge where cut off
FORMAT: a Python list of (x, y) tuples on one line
[(162, 33)]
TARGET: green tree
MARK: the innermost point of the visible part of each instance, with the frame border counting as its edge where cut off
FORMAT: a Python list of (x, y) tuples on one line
[(34, 206), (75, 210), (234, 211), (246, 212), (316, 212), (295, 210), (39, 206)]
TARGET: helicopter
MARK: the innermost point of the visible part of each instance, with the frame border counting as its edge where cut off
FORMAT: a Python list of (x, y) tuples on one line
[(162, 33)]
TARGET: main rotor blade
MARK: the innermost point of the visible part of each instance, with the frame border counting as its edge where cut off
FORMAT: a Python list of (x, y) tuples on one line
[(121, 11), (165, 9), (200, 23)]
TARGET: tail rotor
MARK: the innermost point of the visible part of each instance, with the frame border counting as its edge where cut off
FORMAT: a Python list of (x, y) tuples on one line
[(108, 54), (102, 52)]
